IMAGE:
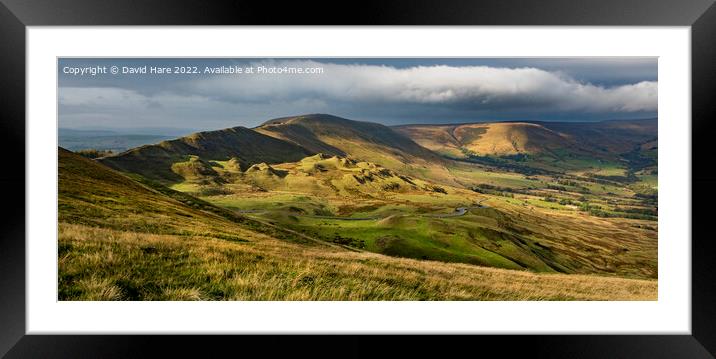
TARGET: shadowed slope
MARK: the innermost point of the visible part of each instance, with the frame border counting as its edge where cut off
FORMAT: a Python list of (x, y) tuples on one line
[(239, 143), (611, 137), (92, 194), (339, 136)]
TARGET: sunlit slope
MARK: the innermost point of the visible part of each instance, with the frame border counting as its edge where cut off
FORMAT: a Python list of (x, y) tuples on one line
[(495, 139), (364, 141), (320, 175), (602, 139), (243, 145), (438, 138), (340, 136)]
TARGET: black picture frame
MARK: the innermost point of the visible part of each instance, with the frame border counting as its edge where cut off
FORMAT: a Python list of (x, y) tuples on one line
[(16, 15)]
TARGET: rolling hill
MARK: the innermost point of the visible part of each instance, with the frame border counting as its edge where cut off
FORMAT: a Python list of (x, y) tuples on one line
[(606, 139), (401, 191), (320, 175), (122, 237), (339, 136), (367, 206), (279, 141), (498, 139), (365, 141), (92, 194), (240, 144)]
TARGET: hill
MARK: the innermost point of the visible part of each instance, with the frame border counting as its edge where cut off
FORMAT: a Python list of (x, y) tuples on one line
[(238, 143), (282, 140), (319, 175), (609, 148), (370, 207), (365, 141), (92, 194), (339, 136), (606, 139), (498, 139), (126, 238)]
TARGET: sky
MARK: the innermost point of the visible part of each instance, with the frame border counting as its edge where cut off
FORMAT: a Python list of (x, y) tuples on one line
[(202, 94)]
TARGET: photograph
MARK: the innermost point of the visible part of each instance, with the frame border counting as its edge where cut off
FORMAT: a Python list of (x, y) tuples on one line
[(185, 177), (357, 179)]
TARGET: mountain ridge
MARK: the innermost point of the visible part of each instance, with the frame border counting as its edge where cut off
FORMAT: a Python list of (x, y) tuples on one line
[(240, 143), (322, 126), (422, 151)]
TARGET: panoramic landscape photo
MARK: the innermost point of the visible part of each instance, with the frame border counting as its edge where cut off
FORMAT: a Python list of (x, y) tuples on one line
[(357, 179)]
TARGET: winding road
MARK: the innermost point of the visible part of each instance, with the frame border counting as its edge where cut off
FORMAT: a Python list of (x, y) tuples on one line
[(459, 211)]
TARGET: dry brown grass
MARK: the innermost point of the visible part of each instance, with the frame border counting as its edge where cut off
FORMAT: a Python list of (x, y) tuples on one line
[(587, 243), (105, 264)]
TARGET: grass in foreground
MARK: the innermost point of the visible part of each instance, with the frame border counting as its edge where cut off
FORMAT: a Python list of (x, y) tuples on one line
[(106, 264)]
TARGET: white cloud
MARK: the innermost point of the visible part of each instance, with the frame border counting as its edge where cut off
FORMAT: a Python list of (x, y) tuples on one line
[(476, 86), (362, 92)]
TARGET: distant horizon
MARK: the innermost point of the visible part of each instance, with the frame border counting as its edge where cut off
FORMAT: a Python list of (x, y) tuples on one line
[(146, 130)]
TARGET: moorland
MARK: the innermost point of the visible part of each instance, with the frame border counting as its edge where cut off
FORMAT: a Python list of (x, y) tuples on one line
[(319, 207)]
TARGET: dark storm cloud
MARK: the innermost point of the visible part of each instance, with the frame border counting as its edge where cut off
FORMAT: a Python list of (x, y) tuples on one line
[(391, 91)]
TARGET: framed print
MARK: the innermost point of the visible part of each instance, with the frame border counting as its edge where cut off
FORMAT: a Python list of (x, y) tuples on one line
[(537, 181)]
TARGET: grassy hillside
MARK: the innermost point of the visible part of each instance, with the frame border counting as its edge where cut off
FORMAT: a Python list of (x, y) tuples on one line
[(401, 204), (318, 175), (93, 195), (103, 264), (608, 138), (517, 233), (532, 197), (127, 238), (607, 150), (497, 139), (238, 143), (364, 141), (318, 132), (364, 205)]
